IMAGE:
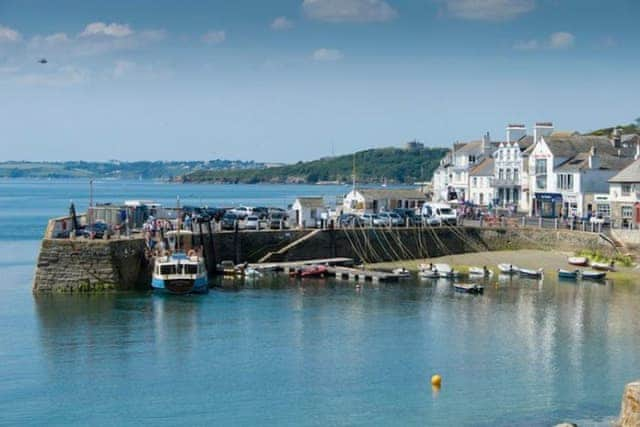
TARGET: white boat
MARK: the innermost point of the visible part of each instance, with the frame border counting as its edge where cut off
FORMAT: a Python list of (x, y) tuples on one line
[(508, 268), (525, 272), (480, 272), (252, 272), (593, 275), (578, 260), (428, 274), (445, 271), (180, 274), (603, 266), (401, 272)]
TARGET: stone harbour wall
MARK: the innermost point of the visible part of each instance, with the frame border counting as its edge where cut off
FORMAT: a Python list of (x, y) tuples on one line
[(94, 265), (90, 265)]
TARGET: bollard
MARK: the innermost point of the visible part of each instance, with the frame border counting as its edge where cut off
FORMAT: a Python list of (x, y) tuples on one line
[(524, 221), (555, 223), (539, 222)]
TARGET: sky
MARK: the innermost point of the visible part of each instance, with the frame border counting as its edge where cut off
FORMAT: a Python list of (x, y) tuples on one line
[(291, 80)]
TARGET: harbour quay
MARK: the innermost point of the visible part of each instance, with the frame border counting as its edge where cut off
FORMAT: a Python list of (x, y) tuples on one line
[(67, 263)]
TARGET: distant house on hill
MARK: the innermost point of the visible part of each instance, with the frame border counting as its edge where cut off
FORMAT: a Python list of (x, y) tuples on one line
[(372, 200), (308, 211)]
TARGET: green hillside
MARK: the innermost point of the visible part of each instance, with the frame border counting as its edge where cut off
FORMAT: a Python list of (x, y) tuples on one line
[(630, 128), (395, 165)]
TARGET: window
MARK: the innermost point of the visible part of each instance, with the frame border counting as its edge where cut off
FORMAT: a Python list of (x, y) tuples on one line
[(475, 181), (508, 154), (541, 166), (191, 268), (516, 196), (627, 212), (501, 174), (603, 210), (508, 174), (516, 176), (626, 189), (168, 269), (565, 181), (541, 182)]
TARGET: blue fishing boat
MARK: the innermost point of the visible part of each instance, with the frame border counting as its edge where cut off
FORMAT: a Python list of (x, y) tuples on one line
[(180, 273), (568, 274)]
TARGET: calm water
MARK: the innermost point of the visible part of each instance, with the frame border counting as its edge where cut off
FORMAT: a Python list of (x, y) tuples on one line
[(300, 353)]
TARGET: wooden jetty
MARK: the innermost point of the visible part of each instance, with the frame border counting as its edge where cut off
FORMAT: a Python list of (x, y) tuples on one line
[(338, 267)]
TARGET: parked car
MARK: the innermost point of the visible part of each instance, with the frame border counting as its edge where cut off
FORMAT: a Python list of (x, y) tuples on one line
[(350, 220), (228, 221), (252, 223), (242, 211), (261, 212), (390, 219), (439, 213), (96, 230), (278, 220), (368, 218), (405, 213)]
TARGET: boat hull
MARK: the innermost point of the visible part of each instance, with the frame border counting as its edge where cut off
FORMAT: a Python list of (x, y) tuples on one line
[(593, 275), (469, 289), (579, 261), (199, 285), (568, 275)]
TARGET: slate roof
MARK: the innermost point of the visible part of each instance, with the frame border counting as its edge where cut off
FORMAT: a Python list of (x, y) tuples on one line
[(391, 194), (581, 161), (570, 146), (629, 174), (484, 168), (311, 202)]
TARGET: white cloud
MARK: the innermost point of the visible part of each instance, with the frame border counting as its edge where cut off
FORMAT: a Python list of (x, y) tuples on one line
[(9, 35), (349, 10), (214, 37), (526, 45), (327, 55), (488, 10), (61, 77), (281, 23), (109, 30), (561, 40), (122, 68)]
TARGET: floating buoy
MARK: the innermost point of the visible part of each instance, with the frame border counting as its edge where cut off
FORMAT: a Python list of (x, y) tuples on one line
[(436, 380)]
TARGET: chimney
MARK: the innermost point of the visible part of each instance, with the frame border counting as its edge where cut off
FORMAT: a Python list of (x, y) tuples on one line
[(594, 160), (616, 138), (542, 129), (486, 144), (515, 132)]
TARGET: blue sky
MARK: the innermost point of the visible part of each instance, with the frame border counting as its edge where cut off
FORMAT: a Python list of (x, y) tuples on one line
[(289, 80)]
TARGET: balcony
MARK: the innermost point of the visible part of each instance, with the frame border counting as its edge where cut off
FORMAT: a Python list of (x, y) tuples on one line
[(505, 182)]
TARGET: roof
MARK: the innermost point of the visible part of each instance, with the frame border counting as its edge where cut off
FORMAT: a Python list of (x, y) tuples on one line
[(572, 145), (484, 168), (629, 174), (525, 142), (392, 194), (470, 147), (581, 162), (311, 202)]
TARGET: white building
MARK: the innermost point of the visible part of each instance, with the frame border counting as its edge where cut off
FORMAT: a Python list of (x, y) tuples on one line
[(369, 200), (624, 193), (568, 174), (480, 180), (451, 179), (308, 211), (511, 177)]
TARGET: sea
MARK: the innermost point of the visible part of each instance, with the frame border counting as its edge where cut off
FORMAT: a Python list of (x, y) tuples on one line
[(281, 351)]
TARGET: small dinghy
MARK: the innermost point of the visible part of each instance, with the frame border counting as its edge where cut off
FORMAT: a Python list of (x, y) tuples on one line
[(508, 268), (445, 271), (310, 271), (480, 272), (568, 274), (602, 266), (252, 272), (525, 272), (401, 272), (593, 275), (428, 274), (578, 260), (468, 288)]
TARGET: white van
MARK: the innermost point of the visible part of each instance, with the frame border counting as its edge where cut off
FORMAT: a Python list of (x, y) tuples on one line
[(438, 214)]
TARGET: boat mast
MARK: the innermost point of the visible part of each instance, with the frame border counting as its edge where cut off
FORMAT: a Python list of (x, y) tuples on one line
[(178, 224)]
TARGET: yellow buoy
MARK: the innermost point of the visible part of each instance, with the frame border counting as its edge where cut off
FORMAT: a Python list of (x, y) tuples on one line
[(436, 380)]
